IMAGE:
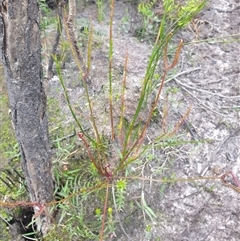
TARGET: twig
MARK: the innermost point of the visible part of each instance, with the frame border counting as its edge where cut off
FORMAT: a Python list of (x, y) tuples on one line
[(188, 126), (65, 137), (179, 74), (205, 91), (235, 186), (62, 161), (197, 25), (202, 105)]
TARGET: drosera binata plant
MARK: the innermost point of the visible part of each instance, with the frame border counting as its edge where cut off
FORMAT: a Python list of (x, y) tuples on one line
[(127, 140)]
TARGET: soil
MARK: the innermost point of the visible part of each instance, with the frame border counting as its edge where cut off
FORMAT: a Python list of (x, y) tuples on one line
[(207, 79)]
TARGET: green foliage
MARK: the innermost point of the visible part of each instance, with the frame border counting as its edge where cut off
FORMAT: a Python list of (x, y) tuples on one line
[(46, 22), (110, 225), (100, 9), (47, 18), (145, 9), (173, 13), (98, 213), (57, 234), (150, 20), (170, 7), (11, 187), (73, 216), (43, 6), (146, 209), (121, 187), (189, 10), (4, 230), (148, 231), (125, 22), (16, 192)]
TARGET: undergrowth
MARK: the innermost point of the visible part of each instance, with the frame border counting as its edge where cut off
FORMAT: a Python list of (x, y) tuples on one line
[(100, 168)]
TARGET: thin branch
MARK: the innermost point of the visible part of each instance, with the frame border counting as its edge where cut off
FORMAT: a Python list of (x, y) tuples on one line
[(179, 74)]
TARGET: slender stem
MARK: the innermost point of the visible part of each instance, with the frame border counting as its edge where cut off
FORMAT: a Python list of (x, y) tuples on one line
[(89, 49), (157, 52), (139, 140), (110, 66), (167, 68), (179, 123), (121, 135)]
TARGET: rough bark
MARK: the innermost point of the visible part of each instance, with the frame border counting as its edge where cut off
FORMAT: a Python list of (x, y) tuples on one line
[(21, 56)]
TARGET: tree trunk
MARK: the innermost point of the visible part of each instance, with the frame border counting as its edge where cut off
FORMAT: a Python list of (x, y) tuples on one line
[(20, 50)]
